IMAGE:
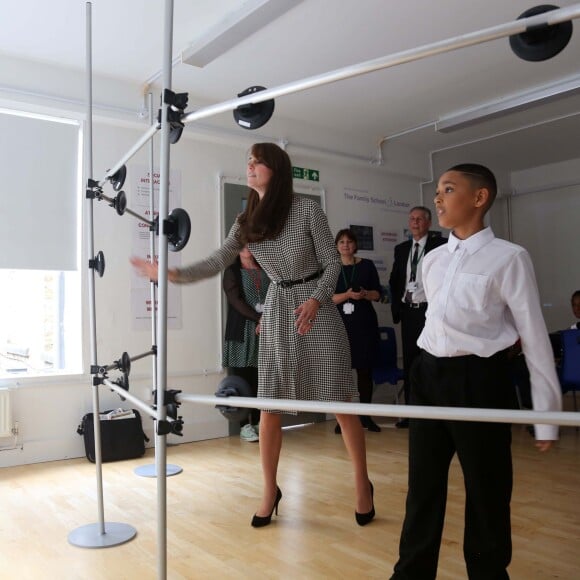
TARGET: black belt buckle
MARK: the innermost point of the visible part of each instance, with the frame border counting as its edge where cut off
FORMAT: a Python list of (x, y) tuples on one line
[(290, 283)]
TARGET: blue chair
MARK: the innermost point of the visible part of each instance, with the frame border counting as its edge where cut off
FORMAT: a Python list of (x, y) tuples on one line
[(569, 371), (386, 370)]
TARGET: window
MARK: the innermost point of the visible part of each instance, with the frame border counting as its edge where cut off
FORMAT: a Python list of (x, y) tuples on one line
[(40, 330), (40, 309)]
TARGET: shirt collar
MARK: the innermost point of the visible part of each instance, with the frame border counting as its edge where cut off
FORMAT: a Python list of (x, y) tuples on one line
[(473, 243), (422, 241)]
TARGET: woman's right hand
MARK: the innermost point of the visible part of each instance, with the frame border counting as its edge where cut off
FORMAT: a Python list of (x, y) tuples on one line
[(345, 296), (145, 268), (352, 295)]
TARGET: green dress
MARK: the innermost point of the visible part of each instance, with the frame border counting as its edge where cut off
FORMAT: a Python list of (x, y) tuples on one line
[(244, 353)]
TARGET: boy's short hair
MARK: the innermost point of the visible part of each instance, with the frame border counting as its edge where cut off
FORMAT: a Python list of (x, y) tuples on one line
[(575, 295), (480, 176)]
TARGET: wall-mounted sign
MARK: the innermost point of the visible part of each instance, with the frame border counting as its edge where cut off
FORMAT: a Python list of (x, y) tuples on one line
[(308, 174)]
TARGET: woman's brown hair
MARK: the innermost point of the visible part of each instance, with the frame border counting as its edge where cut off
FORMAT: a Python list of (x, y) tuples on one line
[(264, 219), (349, 235)]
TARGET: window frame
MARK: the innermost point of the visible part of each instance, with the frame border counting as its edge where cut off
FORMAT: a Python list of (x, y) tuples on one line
[(77, 369)]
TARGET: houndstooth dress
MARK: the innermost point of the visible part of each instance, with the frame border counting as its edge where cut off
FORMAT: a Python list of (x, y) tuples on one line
[(315, 366)]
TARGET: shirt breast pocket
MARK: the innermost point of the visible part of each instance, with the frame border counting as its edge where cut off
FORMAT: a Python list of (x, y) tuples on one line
[(471, 291)]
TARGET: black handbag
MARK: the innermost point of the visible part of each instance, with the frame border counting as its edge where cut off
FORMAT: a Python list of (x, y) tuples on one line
[(122, 435)]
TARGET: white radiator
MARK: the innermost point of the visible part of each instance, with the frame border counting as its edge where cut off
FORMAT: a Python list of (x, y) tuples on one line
[(5, 413)]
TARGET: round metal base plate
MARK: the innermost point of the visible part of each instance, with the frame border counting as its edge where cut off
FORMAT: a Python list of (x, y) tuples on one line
[(151, 471), (90, 536)]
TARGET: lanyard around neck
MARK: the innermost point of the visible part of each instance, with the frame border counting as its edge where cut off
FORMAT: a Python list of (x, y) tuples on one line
[(256, 277), (348, 285)]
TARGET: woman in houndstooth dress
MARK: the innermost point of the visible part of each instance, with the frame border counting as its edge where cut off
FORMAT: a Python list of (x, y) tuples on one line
[(304, 351)]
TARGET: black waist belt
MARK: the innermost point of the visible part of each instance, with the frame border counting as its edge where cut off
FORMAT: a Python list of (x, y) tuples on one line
[(415, 304), (290, 283)]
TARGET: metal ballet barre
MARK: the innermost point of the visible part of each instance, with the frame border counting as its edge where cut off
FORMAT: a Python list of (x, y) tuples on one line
[(410, 411)]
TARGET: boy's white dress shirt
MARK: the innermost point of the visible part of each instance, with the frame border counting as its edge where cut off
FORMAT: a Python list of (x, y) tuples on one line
[(482, 296)]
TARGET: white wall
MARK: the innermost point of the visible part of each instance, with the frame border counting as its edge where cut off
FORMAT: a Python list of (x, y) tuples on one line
[(545, 210), (541, 213), (49, 410)]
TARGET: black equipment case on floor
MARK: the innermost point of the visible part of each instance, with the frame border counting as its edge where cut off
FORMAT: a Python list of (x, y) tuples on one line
[(121, 437)]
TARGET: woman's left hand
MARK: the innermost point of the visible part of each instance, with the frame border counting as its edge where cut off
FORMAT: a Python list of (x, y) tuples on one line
[(306, 314)]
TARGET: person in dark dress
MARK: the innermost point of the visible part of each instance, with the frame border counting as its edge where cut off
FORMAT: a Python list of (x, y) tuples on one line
[(245, 285), (357, 287)]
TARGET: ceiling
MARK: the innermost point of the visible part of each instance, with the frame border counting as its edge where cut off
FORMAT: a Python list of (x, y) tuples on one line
[(316, 36)]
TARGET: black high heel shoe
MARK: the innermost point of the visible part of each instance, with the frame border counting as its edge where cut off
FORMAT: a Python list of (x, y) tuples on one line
[(261, 521), (364, 519)]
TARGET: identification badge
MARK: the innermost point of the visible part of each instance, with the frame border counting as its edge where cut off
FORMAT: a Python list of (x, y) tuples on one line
[(411, 287), (348, 307), (259, 307)]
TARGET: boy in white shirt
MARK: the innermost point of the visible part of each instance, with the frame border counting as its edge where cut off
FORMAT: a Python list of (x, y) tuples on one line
[(482, 296)]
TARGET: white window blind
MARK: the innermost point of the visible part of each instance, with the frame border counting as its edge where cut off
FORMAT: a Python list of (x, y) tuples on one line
[(39, 157)]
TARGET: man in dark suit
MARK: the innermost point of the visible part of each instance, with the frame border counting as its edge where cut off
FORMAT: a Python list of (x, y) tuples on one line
[(408, 304)]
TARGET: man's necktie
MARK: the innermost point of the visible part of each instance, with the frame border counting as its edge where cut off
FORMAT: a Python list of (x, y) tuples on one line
[(414, 262), (413, 276)]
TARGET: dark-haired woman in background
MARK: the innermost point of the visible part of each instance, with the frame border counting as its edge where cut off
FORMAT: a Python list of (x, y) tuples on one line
[(357, 287), (304, 352), (245, 285)]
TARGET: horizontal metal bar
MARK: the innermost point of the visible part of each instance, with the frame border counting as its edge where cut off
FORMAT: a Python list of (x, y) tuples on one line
[(143, 355), (462, 41), (117, 364), (147, 409), (410, 411), (111, 201), (101, 196), (139, 217), (145, 138)]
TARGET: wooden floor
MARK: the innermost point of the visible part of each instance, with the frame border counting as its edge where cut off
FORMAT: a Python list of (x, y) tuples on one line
[(315, 536)]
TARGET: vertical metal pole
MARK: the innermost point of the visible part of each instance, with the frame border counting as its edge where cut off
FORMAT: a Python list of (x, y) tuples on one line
[(113, 533), (150, 470), (160, 440), (91, 279), (152, 242)]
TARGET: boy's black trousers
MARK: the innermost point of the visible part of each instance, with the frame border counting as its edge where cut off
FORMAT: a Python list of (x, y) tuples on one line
[(484, 452)]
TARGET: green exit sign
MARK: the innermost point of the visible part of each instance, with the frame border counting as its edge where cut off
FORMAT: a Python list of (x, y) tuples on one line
[(302, 173)]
